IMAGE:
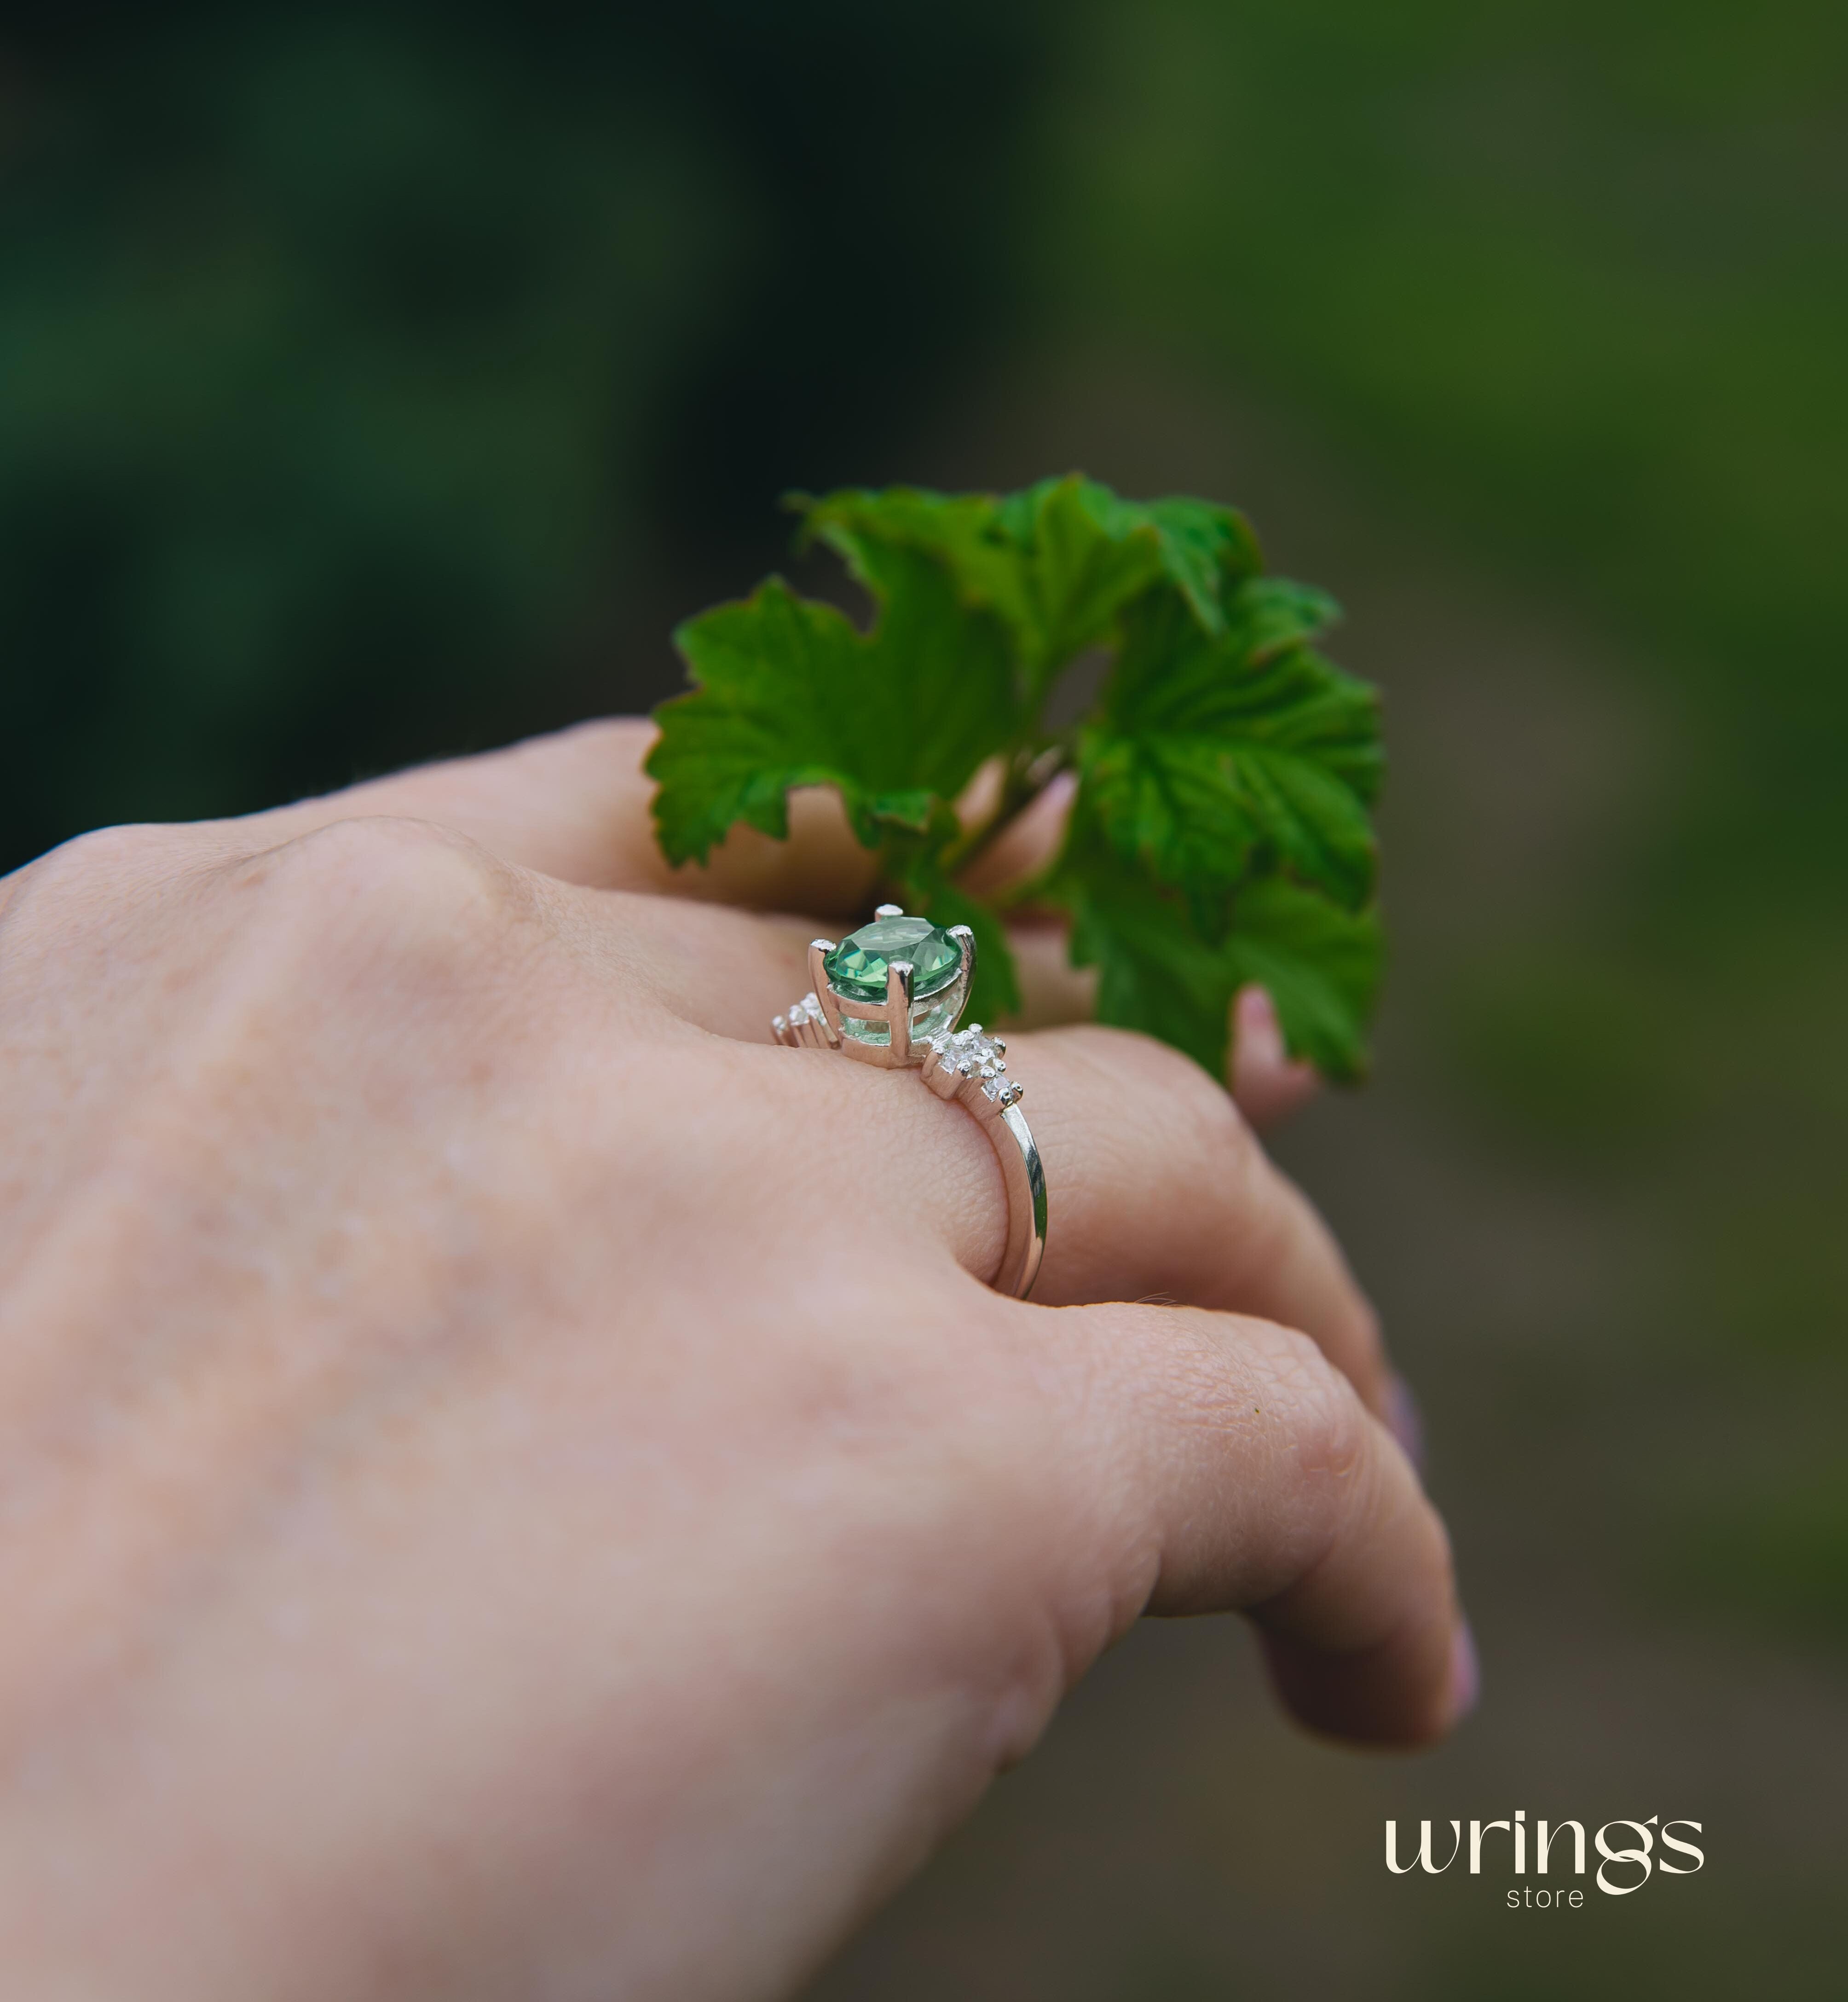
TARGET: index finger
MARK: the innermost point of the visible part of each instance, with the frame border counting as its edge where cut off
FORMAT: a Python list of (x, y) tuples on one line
[(576, 806)]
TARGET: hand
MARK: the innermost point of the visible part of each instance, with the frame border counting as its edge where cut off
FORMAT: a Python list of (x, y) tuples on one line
[(512, 1485)]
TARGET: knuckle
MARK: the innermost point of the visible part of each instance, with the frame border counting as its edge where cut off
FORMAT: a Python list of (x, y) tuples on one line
[(1275, 1372), (367, 902), (1259, 1402), (409, 877), (1199, 1107), (1201, 1125), (94, 880), (1192, 1105), (371, 847), (1234, 1157), (1324, 1429), (1272, 1381), (103, 850), (1331, 1426), (102, 858)]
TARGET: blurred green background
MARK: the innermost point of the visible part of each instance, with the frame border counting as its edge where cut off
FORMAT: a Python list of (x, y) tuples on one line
[(383, 383)]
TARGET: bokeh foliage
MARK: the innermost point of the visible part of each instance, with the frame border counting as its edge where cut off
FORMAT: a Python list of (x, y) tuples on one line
[(1573, 279), (382, 382), (360, 371), (1576, 273)]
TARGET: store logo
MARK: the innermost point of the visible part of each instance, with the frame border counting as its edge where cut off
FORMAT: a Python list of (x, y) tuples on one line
[(1626, 1866)]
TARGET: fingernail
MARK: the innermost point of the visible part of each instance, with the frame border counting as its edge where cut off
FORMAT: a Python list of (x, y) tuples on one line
[(1057, 792), (1259, 1032), (1465, 1672), (1406, 1420)]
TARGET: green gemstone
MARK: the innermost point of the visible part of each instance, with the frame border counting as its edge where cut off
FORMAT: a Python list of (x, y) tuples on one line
[(858, 966)]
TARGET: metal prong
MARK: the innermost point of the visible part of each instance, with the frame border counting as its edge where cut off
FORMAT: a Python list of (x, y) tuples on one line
[(887, 911), (965, 945), (899, 974), (779, 1028), (818, 950)]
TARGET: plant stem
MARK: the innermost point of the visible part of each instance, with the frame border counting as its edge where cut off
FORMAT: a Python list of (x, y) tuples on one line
[(1027, 775)]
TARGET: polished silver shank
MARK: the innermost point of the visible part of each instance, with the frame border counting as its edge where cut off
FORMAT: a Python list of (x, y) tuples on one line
[(969, 1067), (966, 1065)]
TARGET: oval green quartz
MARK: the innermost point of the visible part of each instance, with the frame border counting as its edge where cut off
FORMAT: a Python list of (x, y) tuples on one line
[(858, 966)]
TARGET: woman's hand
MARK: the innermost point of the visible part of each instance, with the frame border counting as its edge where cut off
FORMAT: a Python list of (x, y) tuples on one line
[(511, 1484)]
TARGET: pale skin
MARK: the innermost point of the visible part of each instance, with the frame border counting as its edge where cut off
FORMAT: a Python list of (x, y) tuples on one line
[(512, 1486)]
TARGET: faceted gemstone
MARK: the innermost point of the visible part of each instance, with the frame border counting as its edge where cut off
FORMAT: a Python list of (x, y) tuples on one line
[(859, 964)]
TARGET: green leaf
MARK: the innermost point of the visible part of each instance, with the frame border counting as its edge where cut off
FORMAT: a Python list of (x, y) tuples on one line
[(1220, 834), (1268, 614), (1085, 556), (1097, 551), (960, 531), (1154, 973), (1214, 759), (928, 892), (790, 692), (1319, 963), (1058, 562)]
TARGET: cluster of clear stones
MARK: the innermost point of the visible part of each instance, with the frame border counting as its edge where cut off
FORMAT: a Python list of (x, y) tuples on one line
[(807, 1010), (972, 1054)]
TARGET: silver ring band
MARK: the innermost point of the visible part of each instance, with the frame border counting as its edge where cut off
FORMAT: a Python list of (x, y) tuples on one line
[(900, 1032)]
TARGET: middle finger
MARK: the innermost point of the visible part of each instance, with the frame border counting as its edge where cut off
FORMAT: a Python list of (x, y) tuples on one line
[(1158, 1188), (1156, 1185)]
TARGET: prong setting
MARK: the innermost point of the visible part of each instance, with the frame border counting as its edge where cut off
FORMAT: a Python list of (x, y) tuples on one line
[(923, 971), (819, 990), (901, 977), (968, 1064), (965, 941)]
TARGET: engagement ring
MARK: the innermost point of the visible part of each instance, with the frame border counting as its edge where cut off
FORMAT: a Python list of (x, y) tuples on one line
[(891, 994)]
